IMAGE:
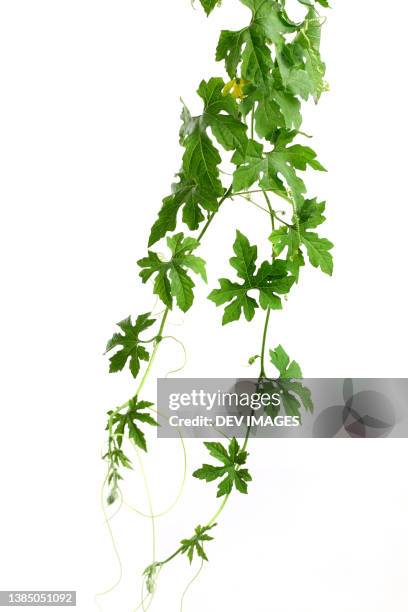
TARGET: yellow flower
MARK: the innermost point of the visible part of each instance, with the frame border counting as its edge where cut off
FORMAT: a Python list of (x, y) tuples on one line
[(235, 88)]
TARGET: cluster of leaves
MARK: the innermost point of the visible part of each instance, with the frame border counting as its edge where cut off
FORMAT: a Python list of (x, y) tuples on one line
[(199, 187), (150, 575), (119, 424), (171, 280), (270, 280), (296, 69), (271, 85), (231, 470), (117, 460), (195, 544)]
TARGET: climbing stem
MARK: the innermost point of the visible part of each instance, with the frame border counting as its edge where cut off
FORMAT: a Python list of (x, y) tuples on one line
[(264, 337), (271, 211), (226, 195), (217, 514), (173, 556), (209, 524), (159, 338)]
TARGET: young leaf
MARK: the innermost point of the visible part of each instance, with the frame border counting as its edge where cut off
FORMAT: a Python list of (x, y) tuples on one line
[(270, 280), (131, 419), (129, 340), (116, 459), (231, 470), (171, 278), (195, 545)]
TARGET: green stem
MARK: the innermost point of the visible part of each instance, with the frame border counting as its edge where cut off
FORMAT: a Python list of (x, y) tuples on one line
[(271, 211), (212, 215), (173, 556), (209, 524), (262, 373), (217, 514), (264, 337), (159, 338)]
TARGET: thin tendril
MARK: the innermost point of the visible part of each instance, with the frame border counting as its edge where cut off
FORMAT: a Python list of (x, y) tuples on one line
[(222, 433), (250, 201), (190, 584), (182, 486), (114, 546), (185, 355), (149, 501)]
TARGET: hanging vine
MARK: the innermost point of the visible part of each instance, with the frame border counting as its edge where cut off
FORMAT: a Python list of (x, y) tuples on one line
[(253, 119)]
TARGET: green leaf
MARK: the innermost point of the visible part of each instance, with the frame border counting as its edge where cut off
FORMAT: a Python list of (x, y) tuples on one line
[(286, 368), (318, 250), (131, 419), (209, 5), (290, 109), (229, 49), (131, 350), (195, 545), (249, 166), (217, 450), (221, 114), (171, 278), (269, 280), (201, 159), (300, 65), (294, 395), (267, 168), (193, 198), (231, 470), (303, 393), (310, 215), (284, 161), (256, 58), (267, 16), (249, 46), (181, 287)]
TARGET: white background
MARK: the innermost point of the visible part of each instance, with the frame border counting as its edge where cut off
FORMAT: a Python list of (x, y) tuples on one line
[(89, 110)]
